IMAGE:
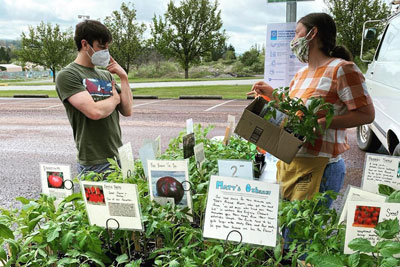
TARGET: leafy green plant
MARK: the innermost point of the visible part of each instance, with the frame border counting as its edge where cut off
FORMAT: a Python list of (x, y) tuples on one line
[(383, 253), (41, 234), (302, 120)]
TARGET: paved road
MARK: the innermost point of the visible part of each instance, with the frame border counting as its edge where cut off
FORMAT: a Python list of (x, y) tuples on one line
[(141, 85), (37, 130)]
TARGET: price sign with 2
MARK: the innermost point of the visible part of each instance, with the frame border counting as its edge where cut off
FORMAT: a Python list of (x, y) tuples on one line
[(235, 168)]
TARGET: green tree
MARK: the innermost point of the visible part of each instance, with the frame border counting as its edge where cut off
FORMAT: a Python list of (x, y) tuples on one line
[(127, 35), (350, 16), (188, 32), (47, 46)]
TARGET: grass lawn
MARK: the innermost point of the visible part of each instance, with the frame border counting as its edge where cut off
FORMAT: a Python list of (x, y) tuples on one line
[(226, 91)]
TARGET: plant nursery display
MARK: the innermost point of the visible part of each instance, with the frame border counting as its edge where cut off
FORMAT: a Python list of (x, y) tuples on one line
[(76, 231)]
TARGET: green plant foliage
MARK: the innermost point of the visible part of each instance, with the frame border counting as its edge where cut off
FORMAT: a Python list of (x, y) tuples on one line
[(302, 120), (128, 43), (41, 234), (188, 31), (47, 46)]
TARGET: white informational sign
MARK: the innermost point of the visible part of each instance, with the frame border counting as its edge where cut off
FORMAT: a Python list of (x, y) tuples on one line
[(242, 206), (235, 168), (231, 123), (146, 152), (56, 181), (270, 169), (189, 126), (199, 155), (357, 194), (112, 205), (362, 218), (380, 169), (170, 179), (126, 159), (280, 63)]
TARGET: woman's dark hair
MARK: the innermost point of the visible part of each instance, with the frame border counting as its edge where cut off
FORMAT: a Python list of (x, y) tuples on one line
[(326, 34), (91, 30)]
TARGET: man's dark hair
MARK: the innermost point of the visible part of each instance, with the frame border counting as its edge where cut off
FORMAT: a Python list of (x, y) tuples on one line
[(91, 30)]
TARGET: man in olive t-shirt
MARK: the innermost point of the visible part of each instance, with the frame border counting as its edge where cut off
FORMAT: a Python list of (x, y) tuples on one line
[(92, 99)]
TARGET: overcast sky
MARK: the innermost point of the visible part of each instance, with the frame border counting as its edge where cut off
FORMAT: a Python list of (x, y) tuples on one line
[(244, 20)]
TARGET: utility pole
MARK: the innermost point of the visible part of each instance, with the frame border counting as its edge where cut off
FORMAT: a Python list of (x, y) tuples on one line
[(291, 11)]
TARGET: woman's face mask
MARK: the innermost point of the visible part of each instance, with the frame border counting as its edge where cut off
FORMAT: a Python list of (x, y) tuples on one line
[(300, 48), (100, 58)]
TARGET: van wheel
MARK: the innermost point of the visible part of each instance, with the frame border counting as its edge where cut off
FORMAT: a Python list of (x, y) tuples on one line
[(396, 151), (366, 139)]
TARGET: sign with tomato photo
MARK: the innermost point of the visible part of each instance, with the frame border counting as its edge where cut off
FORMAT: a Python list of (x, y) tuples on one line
[(170, 179), (366, 216), (56, 180), (94, 194)]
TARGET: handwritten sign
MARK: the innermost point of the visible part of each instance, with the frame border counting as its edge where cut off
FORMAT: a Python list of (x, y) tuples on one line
[(248, 207), (56, 180), (126, 159), (189, 126), (356, 194), (235, 168), (112, 205), (380, 169), (359, 227)]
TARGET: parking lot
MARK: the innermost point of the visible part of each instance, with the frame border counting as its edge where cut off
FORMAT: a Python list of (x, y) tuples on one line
[(33, 131)]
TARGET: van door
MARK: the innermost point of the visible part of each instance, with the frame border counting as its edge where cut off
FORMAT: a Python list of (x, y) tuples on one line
[(383, 80)]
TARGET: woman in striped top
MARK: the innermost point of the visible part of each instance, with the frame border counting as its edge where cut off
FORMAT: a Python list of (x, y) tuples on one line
[(331, 74)]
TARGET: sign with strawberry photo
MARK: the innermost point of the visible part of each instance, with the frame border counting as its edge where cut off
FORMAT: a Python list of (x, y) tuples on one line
[(112, 205), (363, 217), (56, 180)]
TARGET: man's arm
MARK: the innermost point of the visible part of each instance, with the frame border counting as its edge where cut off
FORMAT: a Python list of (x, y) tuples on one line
[(125, 107), (84, 102)]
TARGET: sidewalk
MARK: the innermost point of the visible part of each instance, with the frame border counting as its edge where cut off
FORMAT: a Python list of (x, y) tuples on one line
[(141, 85)]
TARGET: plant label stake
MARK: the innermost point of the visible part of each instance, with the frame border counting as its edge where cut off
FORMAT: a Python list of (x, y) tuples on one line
[(109, 231), (136, 242), (227, 237), (227, 136)]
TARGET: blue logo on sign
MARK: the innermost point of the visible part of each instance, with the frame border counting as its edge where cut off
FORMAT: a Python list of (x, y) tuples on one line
[(274, 35)]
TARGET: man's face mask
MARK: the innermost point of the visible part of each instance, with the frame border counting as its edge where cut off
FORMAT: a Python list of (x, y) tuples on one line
[(300, 48), (100, 58)]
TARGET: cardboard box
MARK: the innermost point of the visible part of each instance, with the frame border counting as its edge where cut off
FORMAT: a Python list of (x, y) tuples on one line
[(266, 135)]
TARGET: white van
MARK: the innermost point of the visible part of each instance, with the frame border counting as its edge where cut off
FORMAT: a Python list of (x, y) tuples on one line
[(383, 82)]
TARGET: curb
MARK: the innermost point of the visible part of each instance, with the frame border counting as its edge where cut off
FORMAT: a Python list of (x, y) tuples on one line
[(31, 96), (145, 97), (200, 97)]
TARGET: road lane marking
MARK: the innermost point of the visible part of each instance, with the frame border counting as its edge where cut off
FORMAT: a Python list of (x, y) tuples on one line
[(147, 103), (219, 105)]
